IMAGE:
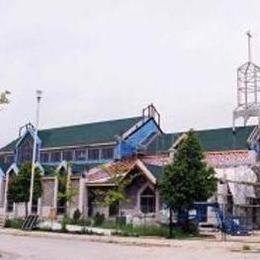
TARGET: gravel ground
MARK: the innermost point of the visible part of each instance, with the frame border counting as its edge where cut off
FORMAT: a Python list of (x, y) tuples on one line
[(18, 247)]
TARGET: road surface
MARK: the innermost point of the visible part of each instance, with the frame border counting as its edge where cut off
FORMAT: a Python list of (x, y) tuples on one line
[(18, 247)]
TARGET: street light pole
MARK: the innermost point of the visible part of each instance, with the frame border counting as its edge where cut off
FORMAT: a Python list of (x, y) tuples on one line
[(38, 96)]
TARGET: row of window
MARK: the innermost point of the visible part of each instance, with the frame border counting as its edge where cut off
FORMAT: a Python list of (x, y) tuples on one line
[(90, 154)]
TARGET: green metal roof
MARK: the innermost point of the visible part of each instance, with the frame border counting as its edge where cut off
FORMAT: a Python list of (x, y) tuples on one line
[(99, 132), (157, 171), (221, 139), (225, 139)]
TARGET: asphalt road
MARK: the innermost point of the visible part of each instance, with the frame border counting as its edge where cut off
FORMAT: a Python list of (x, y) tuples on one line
[(18, 247)]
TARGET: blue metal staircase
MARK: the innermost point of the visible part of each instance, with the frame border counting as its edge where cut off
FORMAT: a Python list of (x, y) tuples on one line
[(228, 224)]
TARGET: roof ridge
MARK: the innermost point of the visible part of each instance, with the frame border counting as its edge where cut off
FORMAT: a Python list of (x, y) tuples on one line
[(91, 123), (209, 129)]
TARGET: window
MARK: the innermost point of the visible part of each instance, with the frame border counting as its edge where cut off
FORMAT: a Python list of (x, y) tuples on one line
[(44, 157), (147, 201), (80, 155), (93, 154), (56, 156), (68, 155), (25, 150), (107, 153)]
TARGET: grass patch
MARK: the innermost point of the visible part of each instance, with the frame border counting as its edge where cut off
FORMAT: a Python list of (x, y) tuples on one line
[(149, 231), (14, 223)]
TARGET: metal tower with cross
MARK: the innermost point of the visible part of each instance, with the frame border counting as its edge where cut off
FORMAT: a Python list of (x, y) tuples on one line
[(248, 89)]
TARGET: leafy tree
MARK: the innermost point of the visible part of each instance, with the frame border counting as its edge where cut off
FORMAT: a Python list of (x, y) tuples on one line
[(115, 195), (186, 179), (4, 97), (65, 190), (19, 186)]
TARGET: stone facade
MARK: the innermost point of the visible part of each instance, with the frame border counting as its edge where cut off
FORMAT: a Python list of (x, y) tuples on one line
[(48, 196), (74, 204)]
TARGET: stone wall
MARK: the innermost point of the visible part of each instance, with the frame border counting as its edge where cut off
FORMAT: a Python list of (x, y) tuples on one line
[(2, 192), (74, 204), (47, 201), (131, 206)]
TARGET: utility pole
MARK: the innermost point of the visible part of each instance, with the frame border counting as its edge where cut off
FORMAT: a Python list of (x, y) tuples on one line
[(38, 97)]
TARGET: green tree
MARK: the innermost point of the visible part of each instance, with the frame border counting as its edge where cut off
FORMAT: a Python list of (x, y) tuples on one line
[(4, 97), (187, 178), (116, 194), (19, 186), (66, 192)]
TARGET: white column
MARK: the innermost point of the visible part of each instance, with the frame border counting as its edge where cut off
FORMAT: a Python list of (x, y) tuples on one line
[(85, 200), (157, 205), (39, 209), (6, 192), (81, 194), (55, 197), (68, 186), (1, 187)]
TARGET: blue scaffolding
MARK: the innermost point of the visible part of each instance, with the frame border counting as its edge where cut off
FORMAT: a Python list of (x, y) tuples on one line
[(229, 224)]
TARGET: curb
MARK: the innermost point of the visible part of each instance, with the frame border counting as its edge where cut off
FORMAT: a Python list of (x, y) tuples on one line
[(90, 238)]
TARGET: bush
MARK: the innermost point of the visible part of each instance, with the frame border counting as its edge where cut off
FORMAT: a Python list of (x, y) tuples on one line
[(148, 230), (65, 221), (246, 248), (99, 219), (14, 223), (84, 222), (121, 220), (76, 216), (190, 228)]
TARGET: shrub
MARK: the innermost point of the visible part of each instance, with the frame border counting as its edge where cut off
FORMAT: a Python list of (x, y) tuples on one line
[(121, 220), (190, 228), (246, 248), (65, 221), (76, 216), (85, 222), (99, 219), (14, 223)]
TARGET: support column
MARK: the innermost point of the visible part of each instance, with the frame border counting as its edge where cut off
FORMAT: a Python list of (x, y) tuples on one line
[(6, 193), (85, 206), (81, 194), (39, 207), (55, 197), (157, 205), (1, 191), (68, 187)]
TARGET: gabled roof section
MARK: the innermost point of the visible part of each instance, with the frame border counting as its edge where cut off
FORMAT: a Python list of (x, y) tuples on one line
[(9, 147), (211, 140), (100, 132), (224, 139), (106, 173), (85, 134)]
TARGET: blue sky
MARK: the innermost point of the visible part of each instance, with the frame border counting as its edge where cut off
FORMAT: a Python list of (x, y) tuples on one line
[(98, 60)]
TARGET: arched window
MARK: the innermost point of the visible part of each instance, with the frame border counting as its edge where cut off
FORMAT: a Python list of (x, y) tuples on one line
[(147, 200)]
